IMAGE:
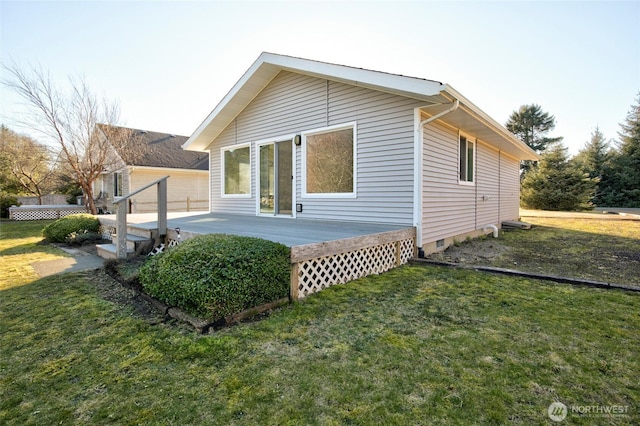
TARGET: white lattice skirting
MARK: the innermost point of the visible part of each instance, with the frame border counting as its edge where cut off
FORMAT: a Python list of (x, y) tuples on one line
[(315, 267), (107, 232), (43, 212), (314, 275)]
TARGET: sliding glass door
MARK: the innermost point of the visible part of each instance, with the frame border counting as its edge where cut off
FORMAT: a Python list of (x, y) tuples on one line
[(276, 178)]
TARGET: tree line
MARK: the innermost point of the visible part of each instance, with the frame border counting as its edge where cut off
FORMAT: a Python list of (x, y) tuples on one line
[(604, 173), (30, 168), (81, 133)]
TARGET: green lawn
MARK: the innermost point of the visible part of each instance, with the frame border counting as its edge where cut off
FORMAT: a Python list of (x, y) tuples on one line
[(604, 250), (20, 245), (417, 345), (591, 248)]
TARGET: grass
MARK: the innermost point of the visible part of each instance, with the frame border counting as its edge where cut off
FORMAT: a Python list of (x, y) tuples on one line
[(417, 345), (21, 245), (597, 249)]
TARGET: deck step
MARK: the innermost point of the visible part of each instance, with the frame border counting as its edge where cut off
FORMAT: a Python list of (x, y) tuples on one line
[(108, 251), (135, 245)]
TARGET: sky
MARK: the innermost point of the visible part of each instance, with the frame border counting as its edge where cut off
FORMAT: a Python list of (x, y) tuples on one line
[(169, 63)]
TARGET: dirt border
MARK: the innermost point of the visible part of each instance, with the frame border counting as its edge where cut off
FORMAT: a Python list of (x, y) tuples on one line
[(512, 272)]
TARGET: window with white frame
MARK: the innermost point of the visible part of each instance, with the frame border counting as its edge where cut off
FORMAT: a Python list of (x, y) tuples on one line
[(117, 184), (466, 153), (329, 162), (236, 171)]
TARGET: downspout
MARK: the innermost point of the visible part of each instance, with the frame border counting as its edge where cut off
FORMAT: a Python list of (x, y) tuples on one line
[(419, 176), (455, 106), (493, 228)]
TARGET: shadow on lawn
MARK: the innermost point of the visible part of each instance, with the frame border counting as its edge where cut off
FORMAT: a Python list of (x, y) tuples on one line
[(37, 247)]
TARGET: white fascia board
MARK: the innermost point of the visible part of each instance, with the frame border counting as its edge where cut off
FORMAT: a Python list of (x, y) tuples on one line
[(492, 124), (268, 65), (382, 81), (243, 92)]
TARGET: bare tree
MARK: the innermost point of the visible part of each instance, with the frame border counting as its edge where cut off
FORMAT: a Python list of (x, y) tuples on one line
[(27, 163), (71, 120)]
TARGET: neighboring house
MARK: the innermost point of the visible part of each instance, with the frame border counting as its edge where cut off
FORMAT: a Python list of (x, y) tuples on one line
[(156, 155), (312, 140)]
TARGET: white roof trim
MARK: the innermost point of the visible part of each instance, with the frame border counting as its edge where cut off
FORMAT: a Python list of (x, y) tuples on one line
[(514, 145), (268, 65)]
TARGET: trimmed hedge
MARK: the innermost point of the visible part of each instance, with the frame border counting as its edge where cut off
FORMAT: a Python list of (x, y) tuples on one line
[(74, 227), (216, 275)]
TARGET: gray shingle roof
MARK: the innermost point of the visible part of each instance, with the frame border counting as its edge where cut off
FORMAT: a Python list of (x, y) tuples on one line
[(164, 150)]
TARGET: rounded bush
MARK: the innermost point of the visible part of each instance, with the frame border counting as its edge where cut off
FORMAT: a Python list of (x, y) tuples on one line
[(216, 275), (7, 201), (68, 228)]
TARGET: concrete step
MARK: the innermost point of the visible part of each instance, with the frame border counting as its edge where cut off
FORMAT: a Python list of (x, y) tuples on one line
[(132, 228), (135, 245), (108, 251), (135, 241)]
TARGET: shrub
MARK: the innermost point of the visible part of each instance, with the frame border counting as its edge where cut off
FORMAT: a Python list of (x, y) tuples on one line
[(7, 201), (213, 276), (71, 228)]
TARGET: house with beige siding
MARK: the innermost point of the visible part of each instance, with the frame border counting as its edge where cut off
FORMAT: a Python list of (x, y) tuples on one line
[(302, 139), (149, 157)]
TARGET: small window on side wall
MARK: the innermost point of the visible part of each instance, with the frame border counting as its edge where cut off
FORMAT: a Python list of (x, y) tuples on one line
[(466, 153)]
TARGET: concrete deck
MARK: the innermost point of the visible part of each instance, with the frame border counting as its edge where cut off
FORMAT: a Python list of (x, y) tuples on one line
[(285, 230)]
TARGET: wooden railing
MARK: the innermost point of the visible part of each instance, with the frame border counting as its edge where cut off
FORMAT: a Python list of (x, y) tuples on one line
[(121, 215)]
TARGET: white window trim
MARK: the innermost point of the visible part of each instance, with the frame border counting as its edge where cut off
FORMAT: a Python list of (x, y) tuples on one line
[(470, 139), (293, 168), (222, 169), (305, 194)]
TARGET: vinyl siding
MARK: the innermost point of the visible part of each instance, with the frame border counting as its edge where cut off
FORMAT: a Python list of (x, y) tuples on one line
[(293, 103), (448, 207), (509, 188), (451, 209), (487, 185), (180, 186)]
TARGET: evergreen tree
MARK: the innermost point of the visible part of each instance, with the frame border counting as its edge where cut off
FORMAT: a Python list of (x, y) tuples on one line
[(630, 156), (622, 187), (556, 183), (595, 160), (531, 125)]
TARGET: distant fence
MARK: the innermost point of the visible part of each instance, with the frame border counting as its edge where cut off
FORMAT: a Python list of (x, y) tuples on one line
[(48, 200), (188, 205), (44, 212)]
